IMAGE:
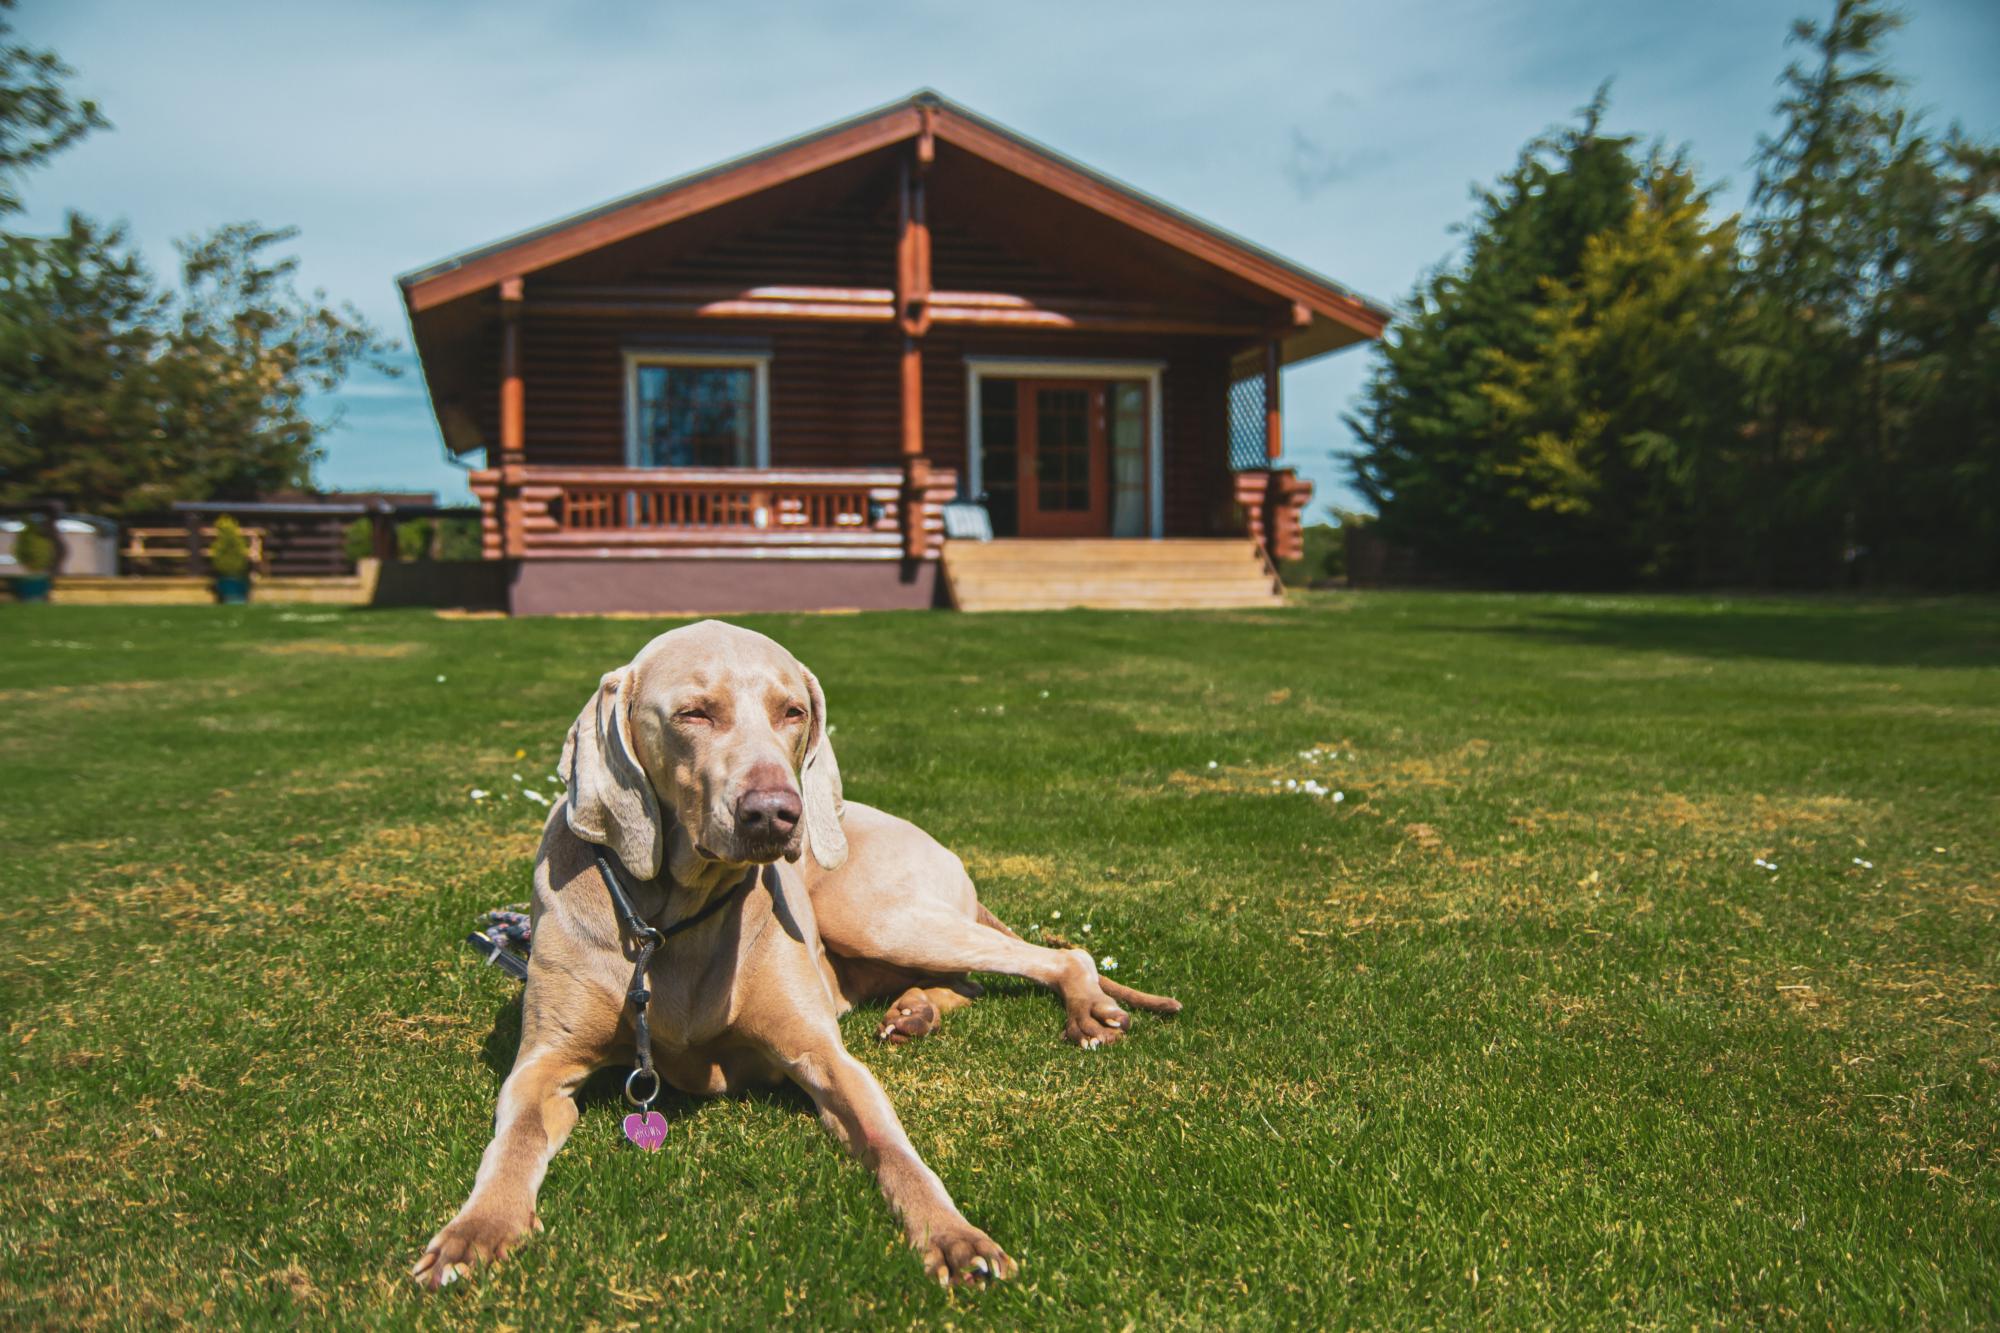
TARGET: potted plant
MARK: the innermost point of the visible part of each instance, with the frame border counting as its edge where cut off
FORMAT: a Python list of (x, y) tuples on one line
[(229, 561), (34, 556)]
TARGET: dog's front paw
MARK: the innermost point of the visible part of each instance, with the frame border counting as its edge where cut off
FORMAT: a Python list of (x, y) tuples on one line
[(963, 1254), (468, 1240)]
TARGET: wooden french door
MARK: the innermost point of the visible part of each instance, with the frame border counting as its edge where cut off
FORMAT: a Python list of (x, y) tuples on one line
[(1065, 481)]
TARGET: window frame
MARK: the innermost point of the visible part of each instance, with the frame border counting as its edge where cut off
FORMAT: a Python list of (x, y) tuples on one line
[(759, 363)]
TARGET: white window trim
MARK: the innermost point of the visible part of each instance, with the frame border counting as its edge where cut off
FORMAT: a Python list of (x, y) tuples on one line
[(760, 362), (1017, 368)]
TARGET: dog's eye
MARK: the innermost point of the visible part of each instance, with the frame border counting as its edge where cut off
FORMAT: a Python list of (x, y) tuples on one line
[(693, 715), (794, 711)]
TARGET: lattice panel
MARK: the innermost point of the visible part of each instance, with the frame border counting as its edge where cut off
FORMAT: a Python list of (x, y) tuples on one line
[(1246, 424)]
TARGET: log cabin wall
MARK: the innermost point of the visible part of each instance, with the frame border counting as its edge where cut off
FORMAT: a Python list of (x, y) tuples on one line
[(834, 396)]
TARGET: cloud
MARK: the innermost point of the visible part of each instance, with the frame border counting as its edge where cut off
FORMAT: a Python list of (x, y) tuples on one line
[(1313, 166)]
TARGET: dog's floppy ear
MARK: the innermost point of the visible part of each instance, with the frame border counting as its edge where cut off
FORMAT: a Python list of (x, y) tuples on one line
[(610, 799), (819, 781)]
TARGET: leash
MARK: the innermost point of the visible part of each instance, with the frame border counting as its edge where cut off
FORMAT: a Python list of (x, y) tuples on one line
[(644, 1126)]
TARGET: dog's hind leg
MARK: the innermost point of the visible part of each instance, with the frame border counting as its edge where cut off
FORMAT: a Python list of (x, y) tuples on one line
[(935, 941)]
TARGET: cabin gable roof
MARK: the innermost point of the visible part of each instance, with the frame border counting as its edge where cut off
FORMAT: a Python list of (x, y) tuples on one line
[(480, 269)]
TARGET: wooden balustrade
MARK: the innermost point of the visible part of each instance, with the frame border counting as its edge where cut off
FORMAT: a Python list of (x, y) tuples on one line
[(1273, 505), (825, 513)]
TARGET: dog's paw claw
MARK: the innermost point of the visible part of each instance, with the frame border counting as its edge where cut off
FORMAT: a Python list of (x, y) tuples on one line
[(463, 1245), (967, 1257)]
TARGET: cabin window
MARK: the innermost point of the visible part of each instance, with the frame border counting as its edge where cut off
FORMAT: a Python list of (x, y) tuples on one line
[(687, 410)]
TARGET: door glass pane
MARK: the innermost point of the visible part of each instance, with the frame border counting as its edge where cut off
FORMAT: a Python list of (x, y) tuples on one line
[(1062, 450), (1128, 459), (696, 416), (999, 443)]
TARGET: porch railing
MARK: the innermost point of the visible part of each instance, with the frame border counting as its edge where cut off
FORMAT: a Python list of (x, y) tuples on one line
[(837, 513), (1273, 504)]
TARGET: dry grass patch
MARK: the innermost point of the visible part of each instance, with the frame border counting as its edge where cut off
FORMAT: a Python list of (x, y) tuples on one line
[(98, 694), (335, 648)]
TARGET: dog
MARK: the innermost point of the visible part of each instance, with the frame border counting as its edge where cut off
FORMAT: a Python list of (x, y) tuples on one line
[(705, 767)]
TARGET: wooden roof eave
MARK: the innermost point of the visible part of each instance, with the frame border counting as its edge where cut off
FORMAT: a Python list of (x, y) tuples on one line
[(1122, 203), (466, 274), (474, 271)]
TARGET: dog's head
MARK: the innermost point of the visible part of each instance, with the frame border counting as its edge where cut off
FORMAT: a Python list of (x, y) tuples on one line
[(709, 747)]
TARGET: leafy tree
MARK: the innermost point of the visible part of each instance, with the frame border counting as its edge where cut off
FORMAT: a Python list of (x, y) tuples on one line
[(38, 116), (120, 398), (241, 351)]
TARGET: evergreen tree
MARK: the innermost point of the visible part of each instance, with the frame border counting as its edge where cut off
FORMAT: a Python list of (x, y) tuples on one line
[(1821, 262), (1626, 414), (1441, 462)]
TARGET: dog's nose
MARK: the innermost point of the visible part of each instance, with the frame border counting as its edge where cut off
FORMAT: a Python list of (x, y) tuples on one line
[(768, 811)]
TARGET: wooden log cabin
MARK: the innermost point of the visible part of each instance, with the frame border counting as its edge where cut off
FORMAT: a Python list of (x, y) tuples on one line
[(759, 386)]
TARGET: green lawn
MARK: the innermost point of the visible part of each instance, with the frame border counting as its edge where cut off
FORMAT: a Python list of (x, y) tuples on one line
[(1518, 1032)]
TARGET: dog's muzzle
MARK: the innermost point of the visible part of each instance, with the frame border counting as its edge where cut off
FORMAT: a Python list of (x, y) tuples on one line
[(767, 820)]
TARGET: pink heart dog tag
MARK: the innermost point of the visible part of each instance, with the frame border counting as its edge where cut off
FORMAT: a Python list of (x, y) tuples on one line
[(649, 1131)]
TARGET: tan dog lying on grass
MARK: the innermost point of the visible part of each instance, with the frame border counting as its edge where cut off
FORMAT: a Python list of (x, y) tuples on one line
[(703, 759)]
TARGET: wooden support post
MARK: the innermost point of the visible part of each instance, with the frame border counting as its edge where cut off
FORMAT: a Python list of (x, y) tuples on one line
[(913, 254), (382, 535), (197, 553), (913, 299), (52, 513), (913, 398), (1274, 419), (513, 421), (916, 469)]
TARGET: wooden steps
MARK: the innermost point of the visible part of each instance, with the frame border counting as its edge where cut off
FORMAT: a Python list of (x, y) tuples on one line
[(1110, 574)]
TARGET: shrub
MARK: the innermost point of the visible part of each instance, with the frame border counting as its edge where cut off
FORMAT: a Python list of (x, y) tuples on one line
[(229, 557), (1325, 557), (458, 539), (33, 551), (413, 540), (358, 543)]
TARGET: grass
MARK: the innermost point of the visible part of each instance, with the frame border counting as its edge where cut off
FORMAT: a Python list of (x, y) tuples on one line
[(1516, 1033)]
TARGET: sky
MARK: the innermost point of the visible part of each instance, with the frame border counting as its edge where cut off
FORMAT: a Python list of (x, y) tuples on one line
[(1344, 135)]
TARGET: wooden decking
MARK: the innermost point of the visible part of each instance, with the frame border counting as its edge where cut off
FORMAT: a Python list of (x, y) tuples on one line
[(1180, 574)]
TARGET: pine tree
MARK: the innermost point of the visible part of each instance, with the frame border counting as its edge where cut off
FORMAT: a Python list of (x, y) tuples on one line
[(1821, 262), (1627, 414), (1439, 461)]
